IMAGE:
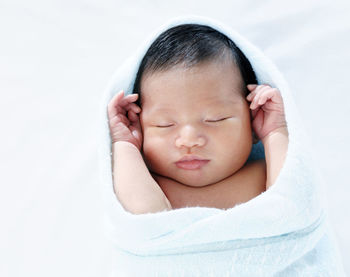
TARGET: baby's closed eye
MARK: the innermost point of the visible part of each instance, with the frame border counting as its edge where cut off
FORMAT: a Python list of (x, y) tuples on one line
[(213, 119), (164, 125), (217, 119)]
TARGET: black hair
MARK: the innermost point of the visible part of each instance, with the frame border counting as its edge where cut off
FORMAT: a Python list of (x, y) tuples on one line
[(189, 45)]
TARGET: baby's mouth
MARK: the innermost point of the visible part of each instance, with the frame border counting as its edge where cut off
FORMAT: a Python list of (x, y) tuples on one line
[(191, 162)]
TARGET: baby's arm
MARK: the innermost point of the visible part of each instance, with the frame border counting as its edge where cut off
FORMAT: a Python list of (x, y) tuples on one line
[(270, 126), (134, 186), (276, 145)]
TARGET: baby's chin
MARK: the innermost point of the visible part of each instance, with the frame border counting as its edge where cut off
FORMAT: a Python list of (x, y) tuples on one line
[(197, 181)]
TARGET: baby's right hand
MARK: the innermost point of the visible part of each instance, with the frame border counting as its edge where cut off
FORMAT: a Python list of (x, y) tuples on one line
[(124, 123)]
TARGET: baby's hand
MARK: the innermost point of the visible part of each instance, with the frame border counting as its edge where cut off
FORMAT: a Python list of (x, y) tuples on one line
[(267, 109), (124, 123)]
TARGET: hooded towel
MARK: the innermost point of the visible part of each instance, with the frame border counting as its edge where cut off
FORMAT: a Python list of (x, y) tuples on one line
[(284, 231)]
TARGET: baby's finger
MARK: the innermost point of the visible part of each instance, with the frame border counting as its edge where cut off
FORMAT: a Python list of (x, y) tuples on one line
[(262, 91), (135, 125), (118, 96), (119, 104), (252, 86), (261, 88), (266, 95), (133, 117), (114, 102), (255, 89), (259, 92), (276, 97), (254, 112), (119, 118), (134, 107), (129, 99), (121, 100), (250, 96), (254, 103)]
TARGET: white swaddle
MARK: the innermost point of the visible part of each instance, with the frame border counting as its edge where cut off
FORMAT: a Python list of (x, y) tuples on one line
[(282, 232)]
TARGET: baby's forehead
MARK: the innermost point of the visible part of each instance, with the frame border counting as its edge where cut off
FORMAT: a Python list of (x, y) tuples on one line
[(205, 99), (210, 82), (164, 106)]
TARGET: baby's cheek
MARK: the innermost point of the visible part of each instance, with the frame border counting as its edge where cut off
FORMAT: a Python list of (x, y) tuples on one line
[(154, 148), (236, 135), (151, 139)]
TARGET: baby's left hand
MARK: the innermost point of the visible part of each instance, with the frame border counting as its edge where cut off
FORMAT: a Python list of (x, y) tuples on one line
[(267, 109)]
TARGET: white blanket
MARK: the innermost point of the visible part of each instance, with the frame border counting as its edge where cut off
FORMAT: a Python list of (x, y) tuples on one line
[(282, 232)]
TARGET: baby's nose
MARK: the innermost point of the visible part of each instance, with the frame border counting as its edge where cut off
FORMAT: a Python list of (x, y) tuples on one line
[(189, 137)]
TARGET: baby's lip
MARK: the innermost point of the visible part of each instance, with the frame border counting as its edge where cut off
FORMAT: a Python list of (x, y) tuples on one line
[(191, 158)]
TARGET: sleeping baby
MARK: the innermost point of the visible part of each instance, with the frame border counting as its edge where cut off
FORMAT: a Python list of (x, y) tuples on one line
[(183, 138)]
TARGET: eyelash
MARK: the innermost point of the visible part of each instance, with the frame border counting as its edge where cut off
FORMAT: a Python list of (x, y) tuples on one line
[(165, 126), (221, 119), (218, 120)]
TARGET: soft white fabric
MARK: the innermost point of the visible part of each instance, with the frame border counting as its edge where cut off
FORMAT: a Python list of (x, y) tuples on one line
[(282, 232)]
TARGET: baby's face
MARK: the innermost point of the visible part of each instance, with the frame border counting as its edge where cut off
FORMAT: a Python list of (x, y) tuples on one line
[(197, 113)]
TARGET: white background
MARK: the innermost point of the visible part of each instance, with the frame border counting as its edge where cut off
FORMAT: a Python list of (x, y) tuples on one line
[(56, 58)]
